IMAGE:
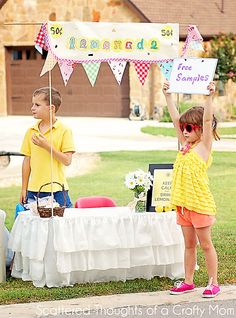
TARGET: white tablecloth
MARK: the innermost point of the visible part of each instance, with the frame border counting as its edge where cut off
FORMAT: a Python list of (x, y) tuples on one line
[(2, 247), (94, 245)]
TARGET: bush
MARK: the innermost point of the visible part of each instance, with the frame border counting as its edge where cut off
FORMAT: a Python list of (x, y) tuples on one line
[(223, 47), (182, 108), (233, 115)]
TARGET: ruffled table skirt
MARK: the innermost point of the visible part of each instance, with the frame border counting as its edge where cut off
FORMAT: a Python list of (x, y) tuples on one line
[(96, 245)]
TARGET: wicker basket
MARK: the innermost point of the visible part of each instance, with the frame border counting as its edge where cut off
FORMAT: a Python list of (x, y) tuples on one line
[(47, 212)]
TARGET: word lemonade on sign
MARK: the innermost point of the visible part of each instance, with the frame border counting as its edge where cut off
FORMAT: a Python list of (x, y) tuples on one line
[(115, 45), (106, 41)]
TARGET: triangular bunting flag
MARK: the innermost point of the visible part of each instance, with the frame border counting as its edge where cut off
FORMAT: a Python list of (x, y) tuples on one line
[(193, 35), (197, 45), (66, 68), (39, 49), (49, 64), (92, 69), (166, 68), (142, 69), (117, 69), (40, 40)]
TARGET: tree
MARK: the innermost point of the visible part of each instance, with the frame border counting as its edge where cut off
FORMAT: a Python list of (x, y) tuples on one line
[(223, 47)]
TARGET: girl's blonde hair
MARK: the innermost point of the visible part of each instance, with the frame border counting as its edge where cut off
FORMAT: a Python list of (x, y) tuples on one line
[(194, 116)]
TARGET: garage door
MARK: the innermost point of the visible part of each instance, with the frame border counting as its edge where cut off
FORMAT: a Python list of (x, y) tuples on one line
[(106, 99)]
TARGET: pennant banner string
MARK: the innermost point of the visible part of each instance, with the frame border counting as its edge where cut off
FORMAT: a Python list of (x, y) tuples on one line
[(68, 44)]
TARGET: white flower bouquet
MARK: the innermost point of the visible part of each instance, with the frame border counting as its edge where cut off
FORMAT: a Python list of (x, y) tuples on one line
[(139, 182)]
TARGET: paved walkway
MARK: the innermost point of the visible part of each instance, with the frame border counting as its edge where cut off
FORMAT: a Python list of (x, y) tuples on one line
[(155, 304)]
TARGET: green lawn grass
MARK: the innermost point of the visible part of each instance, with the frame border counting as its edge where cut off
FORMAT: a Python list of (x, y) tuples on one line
[(224, 132), (108, 179)]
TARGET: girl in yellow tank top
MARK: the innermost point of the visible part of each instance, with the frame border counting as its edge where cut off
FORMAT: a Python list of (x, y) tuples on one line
[(190, 191), (190, 183)]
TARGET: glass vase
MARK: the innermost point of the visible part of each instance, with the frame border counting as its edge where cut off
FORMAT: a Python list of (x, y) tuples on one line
[(141, 203)]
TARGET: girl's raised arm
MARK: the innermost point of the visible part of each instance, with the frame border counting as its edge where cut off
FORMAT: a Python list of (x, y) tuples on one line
[(208, 117), (174, 114)]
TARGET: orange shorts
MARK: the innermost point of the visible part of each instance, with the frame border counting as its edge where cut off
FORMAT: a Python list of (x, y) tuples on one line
[(191, 218)]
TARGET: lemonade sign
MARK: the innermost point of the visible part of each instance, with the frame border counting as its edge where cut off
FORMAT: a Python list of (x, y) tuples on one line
[(158, 196), (161, 190), (88, 41)]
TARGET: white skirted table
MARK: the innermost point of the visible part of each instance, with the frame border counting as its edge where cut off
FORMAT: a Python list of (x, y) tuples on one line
[(96, 245), (2, 247)]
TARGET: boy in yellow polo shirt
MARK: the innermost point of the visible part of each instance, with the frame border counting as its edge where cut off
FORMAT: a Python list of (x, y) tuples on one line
[(36, 167)]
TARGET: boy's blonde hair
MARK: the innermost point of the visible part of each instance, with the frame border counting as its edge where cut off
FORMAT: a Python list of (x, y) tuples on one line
[(194, 116), (56, 96)]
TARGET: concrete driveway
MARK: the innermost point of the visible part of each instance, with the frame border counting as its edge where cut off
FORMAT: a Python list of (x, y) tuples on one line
[(93, 135), (101, 134)]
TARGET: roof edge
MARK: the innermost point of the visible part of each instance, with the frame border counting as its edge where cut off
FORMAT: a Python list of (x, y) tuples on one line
[(2, 2), (131, 5)]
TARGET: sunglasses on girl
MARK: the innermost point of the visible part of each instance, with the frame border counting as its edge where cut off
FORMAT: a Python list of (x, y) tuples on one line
[(188, 127)]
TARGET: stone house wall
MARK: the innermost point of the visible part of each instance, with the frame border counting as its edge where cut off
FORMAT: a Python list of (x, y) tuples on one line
[(149, 97), (38, 11)]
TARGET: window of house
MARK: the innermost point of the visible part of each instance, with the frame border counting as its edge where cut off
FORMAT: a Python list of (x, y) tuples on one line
[(187, 97), (17, 55), (30, 54)]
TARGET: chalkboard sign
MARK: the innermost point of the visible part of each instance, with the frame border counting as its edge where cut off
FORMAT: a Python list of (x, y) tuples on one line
[(158, 196)]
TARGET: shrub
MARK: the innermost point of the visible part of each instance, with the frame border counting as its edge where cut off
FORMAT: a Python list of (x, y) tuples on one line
[(223, 47), (182, 108)]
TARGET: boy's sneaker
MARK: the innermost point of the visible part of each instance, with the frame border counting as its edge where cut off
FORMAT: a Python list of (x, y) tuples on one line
[(211, 291), (181, 288)]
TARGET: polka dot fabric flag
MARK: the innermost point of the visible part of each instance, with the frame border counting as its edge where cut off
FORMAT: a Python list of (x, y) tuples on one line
[(66, 68), (117, 69), (92, 70), (166, 68), (142, 70)]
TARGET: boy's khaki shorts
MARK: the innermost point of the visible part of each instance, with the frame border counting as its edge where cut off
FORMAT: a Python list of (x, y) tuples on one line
[(186, 217)]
